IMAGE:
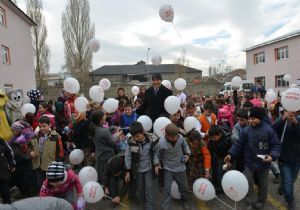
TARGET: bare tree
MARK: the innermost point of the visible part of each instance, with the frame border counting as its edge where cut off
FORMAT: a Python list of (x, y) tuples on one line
[(77, 31), (39, 35), (182, 64)]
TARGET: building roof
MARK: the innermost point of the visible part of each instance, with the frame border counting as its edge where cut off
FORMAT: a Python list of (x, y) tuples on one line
[(19, 12), (280, 38), (139, 68)]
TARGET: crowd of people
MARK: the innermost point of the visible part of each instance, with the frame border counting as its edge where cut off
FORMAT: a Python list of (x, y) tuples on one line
[(239, 131)]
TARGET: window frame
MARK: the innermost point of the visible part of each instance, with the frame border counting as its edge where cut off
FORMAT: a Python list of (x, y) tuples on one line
[(3, 12), (259, 58), (280, 83), (262, 79), (5, 59), (281, 53)]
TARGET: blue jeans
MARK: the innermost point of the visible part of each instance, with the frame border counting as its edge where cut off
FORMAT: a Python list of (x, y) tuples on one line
[(289, 173)]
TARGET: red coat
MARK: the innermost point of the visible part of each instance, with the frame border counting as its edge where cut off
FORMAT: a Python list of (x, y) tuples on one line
[(71, 182)]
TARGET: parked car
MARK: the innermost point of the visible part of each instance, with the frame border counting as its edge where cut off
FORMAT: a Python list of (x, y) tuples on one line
[(245, 86)]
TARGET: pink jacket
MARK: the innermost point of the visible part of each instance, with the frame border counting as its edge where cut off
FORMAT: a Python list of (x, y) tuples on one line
[(225, 115), (256, 102), (71, 181)]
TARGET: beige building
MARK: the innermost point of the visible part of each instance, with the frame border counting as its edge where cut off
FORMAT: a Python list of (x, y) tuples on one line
[(271, 60), (16, 51)]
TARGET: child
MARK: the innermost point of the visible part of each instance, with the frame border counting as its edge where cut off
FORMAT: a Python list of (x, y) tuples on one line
[(218, 146), (43, 111), (174, 152), (242, 122), (103, 142), (257, 139), (225, 114), (190, 110), (139, 157), (138, 103), (207, 118), (289, 159), (178, 121), (7, 166), (128, 117), (200, 161), (62, 183), (45, 148), (22, 132)]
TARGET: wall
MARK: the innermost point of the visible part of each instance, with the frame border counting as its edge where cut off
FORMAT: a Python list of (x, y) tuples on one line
[(17, 37), (271, 68)]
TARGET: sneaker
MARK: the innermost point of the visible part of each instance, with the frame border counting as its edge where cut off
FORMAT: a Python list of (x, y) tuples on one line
[(259, 205), (277, 179)]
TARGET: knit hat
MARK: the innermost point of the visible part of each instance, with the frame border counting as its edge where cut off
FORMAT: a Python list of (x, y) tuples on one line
[(116, 165), (257, 112), (35, 95), (79, 116), (55, 172), (19, 125)]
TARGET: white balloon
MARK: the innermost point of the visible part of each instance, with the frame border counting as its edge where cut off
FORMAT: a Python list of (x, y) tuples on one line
[(135, 90), (110, 105), (235, 185), (166, 13), (94, 45), (167, 84), (105, 84), (172, 104), (203, 189), (270, 96), (180, 84), (174, 191), (92, 192), (71, 85), (287, 78), (160, 125), (76, 156), (236, 82), (87, 174), (146, 122), (291, 99), (190, 123), (156, 60), (27, 108), (80, 104), (96, 93)]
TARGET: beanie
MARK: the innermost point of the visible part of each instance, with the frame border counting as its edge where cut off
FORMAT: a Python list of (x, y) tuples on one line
[(55, 172), (257, 112)]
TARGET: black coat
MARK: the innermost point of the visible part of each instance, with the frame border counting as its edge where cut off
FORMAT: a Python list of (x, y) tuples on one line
[(7, 161), (154, 104)]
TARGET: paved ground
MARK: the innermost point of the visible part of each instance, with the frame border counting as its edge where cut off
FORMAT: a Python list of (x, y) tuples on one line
[(274, 201)]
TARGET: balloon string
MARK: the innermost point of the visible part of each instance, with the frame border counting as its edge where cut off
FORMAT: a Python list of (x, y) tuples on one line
[(122, 204), (224, 203), (176, 31), (234, 205), (283, 133)]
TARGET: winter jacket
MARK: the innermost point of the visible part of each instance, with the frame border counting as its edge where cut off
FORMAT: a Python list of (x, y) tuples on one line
[(171, 155), (258, 140), (81, 135), (140, 156), (7, 161), (290, 146), (220, 148), (104, 143), (225, 116), (153, 105), (52, 150), (201, 153), (205, 124), (71, 181), (108, 174), (126, 121)]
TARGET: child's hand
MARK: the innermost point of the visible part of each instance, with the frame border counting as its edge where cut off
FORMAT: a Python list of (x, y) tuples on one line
[(157, 169), (186, 158), (268, 159), (33, 154), (116, 200), (227, 159), (207, 174), (13, 169), (127, 177), (106, 191), (93, 155)]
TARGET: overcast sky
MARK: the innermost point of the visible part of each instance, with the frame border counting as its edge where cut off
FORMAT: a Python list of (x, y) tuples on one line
[(211, 30)]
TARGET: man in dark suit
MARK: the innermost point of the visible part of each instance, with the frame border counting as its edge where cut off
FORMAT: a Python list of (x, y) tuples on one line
[(155, 97)]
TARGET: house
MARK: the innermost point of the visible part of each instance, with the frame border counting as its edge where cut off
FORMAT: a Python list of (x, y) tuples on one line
[(16, 51), (268, 62)]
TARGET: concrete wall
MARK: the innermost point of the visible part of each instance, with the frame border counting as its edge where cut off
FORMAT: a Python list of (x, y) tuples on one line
[(271, 68), (17, 36)]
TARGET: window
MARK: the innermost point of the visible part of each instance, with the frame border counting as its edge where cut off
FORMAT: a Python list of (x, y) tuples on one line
[(2, 17), (281, 53), (259, 58), (279, 82), (260, 79), (5, 54)]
